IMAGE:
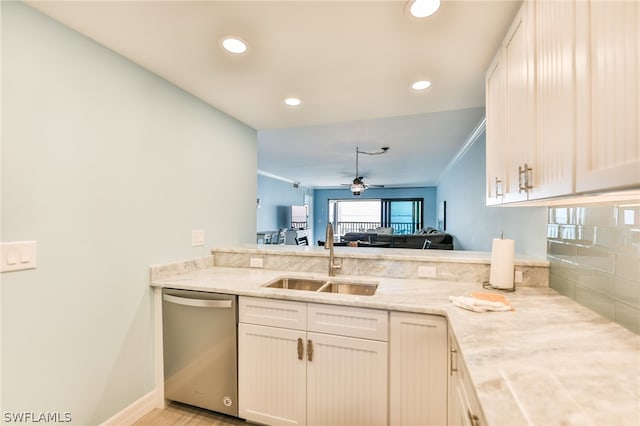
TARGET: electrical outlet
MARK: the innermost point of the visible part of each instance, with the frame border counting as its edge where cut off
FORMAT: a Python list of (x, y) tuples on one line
[(427, 272), (255, 262), (518, 277)]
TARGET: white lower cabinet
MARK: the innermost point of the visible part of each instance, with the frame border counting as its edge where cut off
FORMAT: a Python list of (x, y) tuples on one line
[(346, 381), (271, 381), (418, 369), (464, 407), (289, 373)]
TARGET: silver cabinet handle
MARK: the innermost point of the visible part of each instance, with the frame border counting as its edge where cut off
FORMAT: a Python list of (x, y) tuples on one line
[(200, 303), (524, 178), (452, 356), (499, 192)]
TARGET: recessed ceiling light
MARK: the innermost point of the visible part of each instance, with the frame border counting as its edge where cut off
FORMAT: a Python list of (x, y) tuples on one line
[(421, 85), (234, 45), (424, 8), (292, 101)]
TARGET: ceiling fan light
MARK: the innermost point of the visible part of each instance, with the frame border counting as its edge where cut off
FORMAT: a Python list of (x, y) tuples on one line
[(357, 188), (424, 8)]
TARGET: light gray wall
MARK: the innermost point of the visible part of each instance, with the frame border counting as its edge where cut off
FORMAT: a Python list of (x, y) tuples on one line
[(109, 168), (473, 224)]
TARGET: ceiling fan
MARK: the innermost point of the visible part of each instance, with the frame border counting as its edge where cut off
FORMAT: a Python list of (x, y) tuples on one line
[(358, 186)]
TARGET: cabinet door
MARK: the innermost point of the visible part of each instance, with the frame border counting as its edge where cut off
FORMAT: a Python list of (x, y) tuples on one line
[(552, 169), (608, 151), (495, 133), (418, 369), (520, 103), (271, 375), (464, 407), (346, 381)]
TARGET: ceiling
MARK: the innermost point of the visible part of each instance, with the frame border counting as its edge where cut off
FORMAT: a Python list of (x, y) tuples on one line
[(350, 62)]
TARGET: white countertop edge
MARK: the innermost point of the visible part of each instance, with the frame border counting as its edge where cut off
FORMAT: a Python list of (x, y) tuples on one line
[(443, 256)]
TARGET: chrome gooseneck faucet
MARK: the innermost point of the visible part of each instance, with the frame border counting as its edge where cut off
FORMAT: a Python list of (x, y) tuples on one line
[(328, 245)]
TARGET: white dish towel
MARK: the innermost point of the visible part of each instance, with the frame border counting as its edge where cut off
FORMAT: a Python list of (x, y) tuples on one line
[(477, 305)]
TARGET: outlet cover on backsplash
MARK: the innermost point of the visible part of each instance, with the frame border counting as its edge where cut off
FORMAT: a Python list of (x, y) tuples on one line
[(427, 272), (518, 277)]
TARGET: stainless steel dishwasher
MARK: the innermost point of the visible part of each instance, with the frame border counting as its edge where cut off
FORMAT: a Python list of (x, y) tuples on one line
[(200, 349)]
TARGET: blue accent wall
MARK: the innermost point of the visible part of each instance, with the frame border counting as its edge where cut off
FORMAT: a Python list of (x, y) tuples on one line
[(276, 198), (473, 224), (322, 196)]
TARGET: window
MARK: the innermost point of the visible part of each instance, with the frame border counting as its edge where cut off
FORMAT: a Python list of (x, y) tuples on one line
[(404, 215)]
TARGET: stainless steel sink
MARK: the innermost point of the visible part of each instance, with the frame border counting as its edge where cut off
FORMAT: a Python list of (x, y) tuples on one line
[(292, 283), (325, 285), (361, 289)]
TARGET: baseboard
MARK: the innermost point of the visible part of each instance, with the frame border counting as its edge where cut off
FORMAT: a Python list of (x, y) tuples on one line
[(135, 411)]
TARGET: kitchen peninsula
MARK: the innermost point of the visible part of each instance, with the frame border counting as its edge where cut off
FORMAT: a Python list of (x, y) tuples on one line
[(549, 361)]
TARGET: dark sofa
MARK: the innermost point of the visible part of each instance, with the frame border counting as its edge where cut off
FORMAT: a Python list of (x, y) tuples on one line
[(428, 239)]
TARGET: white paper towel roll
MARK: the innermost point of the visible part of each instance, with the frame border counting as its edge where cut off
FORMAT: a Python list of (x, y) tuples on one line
[(502, 256)]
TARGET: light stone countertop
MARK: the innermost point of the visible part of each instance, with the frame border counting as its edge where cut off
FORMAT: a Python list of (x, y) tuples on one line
[(550, 361), (443, 256)]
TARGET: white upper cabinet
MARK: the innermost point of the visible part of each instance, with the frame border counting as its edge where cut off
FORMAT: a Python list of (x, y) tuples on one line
[(555, 99), (520, 125), (608, 151), (495, 100), (510, 96), (563, 111)]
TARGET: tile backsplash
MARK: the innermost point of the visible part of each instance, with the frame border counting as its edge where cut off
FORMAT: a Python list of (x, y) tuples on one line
[(594, 255)]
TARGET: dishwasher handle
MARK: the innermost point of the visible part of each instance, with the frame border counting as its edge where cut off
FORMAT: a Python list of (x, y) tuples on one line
[(200, 303)]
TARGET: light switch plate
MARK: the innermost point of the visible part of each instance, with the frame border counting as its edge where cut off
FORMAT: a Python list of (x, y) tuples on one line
[(197, 237), (17, 256)]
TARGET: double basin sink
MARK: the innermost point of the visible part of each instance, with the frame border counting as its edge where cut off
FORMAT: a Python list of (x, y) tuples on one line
[(325, 285)]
